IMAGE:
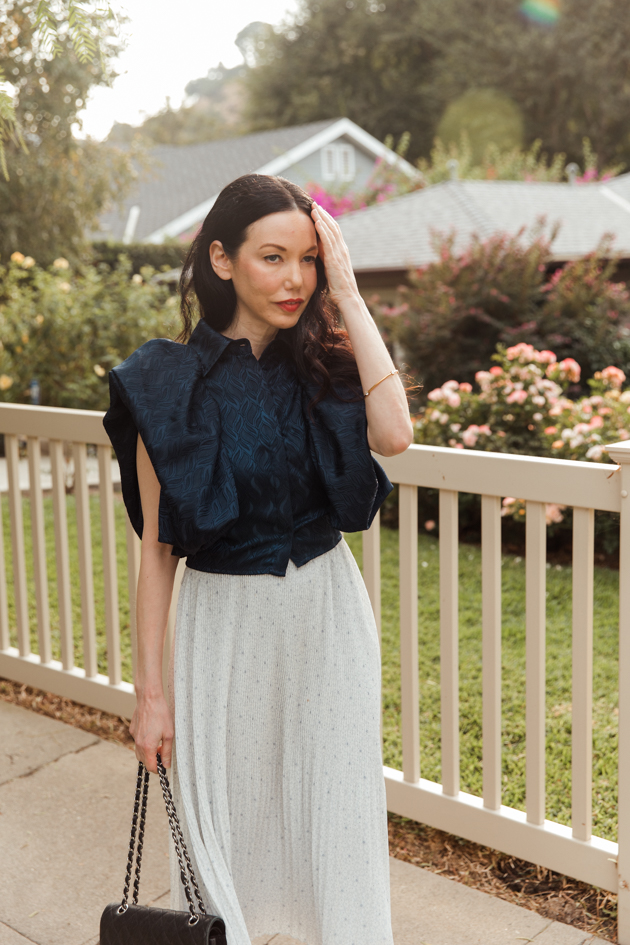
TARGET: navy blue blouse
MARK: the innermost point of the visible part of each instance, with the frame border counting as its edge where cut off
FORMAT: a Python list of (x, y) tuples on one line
[(248, 480)]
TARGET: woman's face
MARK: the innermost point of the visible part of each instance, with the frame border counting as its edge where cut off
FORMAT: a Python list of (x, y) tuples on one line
[(274, 273)]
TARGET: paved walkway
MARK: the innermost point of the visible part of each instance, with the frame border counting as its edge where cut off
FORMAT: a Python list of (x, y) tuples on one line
[(65, 805)]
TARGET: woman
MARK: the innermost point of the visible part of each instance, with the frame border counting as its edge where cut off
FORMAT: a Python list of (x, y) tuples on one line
[(247, 450)]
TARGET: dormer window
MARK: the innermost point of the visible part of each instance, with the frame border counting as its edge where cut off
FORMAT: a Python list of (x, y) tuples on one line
[(338, 162)]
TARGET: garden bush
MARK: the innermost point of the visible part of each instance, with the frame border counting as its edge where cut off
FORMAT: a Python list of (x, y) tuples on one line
[(508, 289), (520, 406), (159, 256), (66, 329)]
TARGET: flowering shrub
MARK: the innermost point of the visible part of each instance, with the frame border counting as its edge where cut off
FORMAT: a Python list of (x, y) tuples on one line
[(498, 290), (66, 329), (521, 407)]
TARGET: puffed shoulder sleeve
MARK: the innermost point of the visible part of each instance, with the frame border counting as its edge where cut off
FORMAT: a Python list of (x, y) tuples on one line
[(159, 393), (355, 483)]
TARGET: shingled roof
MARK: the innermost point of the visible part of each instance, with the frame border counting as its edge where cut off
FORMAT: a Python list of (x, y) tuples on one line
[(183, 177), (184, 182), (396, 235)]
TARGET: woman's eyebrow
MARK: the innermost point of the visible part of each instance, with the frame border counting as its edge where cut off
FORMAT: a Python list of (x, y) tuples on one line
[(283, 248)]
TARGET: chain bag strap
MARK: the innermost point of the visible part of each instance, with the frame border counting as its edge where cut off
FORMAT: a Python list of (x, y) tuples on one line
[(142, 925), (186, 870)]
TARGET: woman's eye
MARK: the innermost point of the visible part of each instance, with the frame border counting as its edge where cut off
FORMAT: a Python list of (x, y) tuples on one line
[(272, 257), (310, 259)]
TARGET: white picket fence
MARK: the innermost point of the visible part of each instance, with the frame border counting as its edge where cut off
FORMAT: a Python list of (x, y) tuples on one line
[(585, 487)]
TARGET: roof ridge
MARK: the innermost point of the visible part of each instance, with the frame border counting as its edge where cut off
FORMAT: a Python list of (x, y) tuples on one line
[(246, 137)]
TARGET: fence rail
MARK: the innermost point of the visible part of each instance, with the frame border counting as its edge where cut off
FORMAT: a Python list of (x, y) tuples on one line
[(585, 487)]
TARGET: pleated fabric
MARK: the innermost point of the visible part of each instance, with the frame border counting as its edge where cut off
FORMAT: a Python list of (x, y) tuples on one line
[(277, 772)]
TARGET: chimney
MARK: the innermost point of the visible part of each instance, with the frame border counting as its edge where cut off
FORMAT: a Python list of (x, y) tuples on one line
[(572, 170)]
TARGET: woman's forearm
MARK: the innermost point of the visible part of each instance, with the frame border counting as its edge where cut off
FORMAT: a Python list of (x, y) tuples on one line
[(389, 425), (155, 591)]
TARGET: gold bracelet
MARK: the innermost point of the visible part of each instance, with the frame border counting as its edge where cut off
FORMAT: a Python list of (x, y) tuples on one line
[(365, 393)]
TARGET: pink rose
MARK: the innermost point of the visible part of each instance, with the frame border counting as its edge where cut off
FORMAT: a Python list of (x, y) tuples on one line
[(614, 376), (471, 435), (521, 352), (571, 370), (517, 397)]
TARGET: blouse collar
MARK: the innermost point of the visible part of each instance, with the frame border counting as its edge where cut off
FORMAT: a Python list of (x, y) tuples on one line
[(210, 344)]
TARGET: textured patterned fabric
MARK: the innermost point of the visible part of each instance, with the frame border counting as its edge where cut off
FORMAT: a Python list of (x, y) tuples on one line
[(248, 480), (277, 776)]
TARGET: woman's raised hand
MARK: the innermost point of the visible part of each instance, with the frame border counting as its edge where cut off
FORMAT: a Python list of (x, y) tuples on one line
[(335, 256)]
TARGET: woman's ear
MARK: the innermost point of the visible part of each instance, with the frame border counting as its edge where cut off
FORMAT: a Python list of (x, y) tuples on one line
[(219, 261)]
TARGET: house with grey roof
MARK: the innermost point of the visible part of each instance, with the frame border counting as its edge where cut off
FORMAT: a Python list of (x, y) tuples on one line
[(172, 199), (387, 239)]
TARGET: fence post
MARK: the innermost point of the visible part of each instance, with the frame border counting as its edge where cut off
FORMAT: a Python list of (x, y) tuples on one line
[(620, 453)]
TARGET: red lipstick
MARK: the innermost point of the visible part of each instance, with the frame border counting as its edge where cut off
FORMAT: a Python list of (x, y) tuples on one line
[(290, 305)]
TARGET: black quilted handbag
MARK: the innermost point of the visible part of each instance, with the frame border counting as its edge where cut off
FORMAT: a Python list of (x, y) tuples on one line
[(124, 923)]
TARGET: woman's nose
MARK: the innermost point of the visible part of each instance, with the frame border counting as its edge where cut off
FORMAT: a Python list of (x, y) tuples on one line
[(293, 277)]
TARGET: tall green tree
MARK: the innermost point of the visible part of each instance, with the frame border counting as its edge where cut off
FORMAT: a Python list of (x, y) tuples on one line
[(368, 61), (56, 185), (396, 65), (570, 78)]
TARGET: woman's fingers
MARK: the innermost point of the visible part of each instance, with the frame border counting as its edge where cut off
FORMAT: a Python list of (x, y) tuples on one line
[(166, 752), (152, 731), (335, 255), (332, 243), (148, 757), (329, 221), (323, 225)]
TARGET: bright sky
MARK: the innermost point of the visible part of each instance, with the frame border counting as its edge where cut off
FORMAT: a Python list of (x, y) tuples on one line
[(170, 43)]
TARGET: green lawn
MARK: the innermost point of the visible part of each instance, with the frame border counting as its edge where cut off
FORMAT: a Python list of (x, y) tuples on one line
[(97, 561), (558, 661)]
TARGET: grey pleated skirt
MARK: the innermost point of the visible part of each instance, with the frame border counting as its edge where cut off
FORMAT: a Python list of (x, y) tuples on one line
[(277, 772)]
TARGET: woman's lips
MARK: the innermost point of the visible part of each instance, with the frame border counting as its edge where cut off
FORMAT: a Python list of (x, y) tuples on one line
[(290, 305)]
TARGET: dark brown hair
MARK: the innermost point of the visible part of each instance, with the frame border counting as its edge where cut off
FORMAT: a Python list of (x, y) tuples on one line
[(321, 350)]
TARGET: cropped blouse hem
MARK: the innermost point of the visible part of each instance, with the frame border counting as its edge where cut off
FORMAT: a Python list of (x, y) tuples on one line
[(267, 570)]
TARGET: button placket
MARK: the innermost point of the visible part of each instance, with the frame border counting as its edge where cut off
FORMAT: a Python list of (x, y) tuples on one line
[(282, 467)]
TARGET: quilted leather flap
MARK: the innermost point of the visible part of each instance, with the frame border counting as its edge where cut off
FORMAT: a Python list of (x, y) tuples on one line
[(143, 925)]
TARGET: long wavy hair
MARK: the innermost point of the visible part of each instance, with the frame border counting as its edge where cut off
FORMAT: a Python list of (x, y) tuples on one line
[(320, 349)]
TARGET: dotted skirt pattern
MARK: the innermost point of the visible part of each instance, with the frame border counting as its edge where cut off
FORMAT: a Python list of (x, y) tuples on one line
[(277, 771)]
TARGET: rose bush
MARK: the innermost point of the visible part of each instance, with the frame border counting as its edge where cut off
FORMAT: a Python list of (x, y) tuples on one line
[(66, 328), (520, 406)]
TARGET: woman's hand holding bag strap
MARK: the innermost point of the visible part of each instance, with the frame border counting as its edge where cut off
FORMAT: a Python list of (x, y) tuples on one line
[(125, 923)]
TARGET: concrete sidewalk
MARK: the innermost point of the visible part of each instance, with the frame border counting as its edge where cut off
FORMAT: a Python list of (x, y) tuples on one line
[(65, 809)]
